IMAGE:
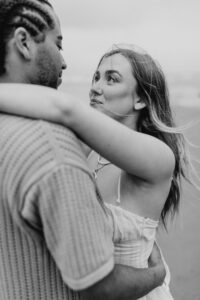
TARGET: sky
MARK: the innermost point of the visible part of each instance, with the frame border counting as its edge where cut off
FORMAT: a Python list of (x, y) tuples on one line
[(167, 29)]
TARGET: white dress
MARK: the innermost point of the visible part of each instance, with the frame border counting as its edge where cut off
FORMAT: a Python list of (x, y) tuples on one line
[(134, 237)]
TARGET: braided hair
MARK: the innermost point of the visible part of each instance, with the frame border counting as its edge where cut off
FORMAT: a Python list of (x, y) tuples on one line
[(30, 14)]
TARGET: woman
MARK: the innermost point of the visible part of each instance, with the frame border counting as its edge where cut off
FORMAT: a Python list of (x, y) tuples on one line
[(141, 156)]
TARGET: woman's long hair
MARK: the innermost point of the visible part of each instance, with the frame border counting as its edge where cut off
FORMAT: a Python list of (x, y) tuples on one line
[(156, 118)]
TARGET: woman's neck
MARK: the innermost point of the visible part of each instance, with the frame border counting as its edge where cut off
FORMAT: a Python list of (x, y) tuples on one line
[(129, 121)]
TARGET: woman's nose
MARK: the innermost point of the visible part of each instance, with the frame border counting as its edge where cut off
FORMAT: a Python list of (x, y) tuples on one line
[(96, 88)]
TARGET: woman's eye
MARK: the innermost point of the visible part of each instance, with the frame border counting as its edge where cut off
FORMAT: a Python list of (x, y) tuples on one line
[(111, 79), (96, 77)]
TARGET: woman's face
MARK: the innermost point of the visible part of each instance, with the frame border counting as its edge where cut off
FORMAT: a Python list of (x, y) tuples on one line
[(113, 88)]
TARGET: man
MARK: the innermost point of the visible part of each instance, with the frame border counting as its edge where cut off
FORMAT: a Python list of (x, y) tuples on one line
[(55, 237)]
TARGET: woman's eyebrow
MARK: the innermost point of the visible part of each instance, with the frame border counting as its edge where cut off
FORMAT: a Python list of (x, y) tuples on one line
[(113, 71)]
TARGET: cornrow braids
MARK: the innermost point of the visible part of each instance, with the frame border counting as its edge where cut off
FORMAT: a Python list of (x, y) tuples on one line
[(30, 14)]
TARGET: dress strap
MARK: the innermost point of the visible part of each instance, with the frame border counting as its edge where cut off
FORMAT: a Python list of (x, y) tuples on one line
[(90, 154), (118, 201)]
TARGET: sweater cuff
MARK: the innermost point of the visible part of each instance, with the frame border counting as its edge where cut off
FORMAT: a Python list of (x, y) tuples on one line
[(92, 278)]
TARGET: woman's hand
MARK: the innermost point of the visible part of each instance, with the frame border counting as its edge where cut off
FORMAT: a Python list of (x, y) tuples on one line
[(155, 260), (34, 101)]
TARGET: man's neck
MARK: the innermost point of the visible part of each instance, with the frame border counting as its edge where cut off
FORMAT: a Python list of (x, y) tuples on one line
[(11, 79)]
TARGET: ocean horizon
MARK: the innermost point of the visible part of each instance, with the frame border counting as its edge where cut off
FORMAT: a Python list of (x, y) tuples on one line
[(183, 91)]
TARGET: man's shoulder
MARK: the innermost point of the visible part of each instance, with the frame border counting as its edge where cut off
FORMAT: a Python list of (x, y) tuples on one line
[(37, 137), (14, 123)]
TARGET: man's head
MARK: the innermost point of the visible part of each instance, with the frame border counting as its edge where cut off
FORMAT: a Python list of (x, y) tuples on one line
[(30, 43)]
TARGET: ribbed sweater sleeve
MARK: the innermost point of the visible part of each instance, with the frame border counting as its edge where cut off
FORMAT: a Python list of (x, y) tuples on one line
[(55, 234), (74, 225)]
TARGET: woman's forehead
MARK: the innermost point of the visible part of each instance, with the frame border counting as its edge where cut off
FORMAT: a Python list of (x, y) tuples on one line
[(115, 62)]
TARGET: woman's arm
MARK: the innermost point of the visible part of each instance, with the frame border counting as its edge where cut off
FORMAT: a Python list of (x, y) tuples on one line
[(28, 100), (139, 154)]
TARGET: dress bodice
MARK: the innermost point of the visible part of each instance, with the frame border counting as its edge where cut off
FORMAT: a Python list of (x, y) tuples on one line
[(133, 236)]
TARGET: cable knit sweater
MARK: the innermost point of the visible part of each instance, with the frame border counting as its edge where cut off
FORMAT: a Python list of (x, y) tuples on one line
[(55, 237)]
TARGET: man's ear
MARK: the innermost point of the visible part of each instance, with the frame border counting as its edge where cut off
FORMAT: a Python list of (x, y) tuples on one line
[(139, 104), (23, 42)]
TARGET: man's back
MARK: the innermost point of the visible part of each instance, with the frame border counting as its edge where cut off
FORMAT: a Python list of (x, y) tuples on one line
[(33, 154)]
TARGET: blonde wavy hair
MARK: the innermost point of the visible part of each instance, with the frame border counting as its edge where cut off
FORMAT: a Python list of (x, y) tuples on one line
[(156, 118)]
